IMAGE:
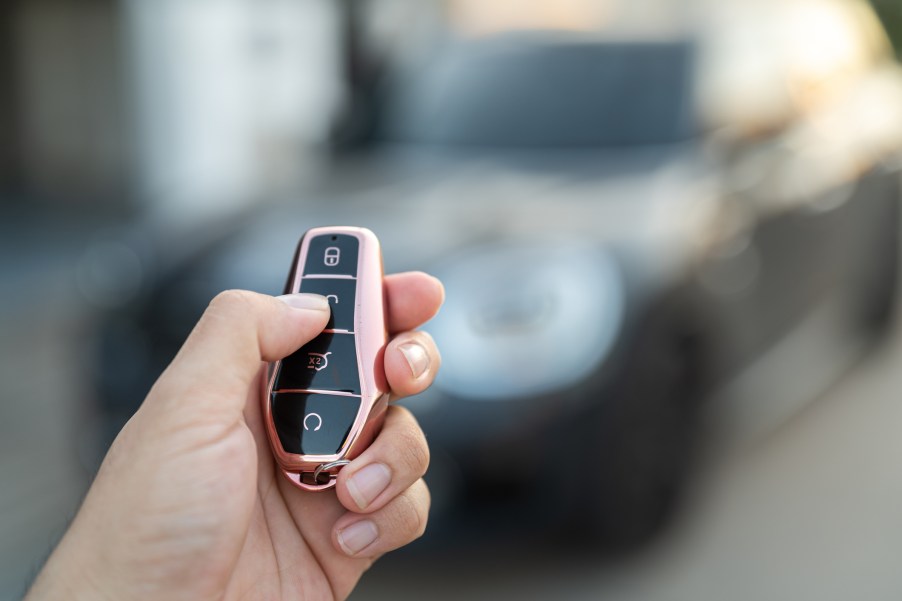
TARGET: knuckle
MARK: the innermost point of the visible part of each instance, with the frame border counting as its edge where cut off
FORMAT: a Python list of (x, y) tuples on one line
[(414, 451), (423, 511), (229, 300), (411, 517)]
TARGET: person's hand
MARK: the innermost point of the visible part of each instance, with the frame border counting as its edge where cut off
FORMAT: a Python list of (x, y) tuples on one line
[(189, 503)]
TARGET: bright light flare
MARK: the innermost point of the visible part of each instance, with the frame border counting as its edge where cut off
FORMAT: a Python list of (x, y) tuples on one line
[(479, 18)]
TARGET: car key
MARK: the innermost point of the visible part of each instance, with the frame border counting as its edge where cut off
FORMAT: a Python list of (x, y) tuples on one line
[(324, 404)]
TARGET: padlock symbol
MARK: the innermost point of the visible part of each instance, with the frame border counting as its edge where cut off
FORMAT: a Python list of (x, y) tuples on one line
[(332, 256)]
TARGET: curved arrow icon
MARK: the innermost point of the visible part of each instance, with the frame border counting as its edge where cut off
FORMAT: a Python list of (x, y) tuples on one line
[(318, 361), (319, 421)]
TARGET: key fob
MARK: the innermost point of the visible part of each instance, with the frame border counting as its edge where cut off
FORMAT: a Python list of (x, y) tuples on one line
[(324, 404)]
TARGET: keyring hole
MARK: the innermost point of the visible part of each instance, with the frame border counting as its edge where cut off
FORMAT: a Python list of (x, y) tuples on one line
[(311, 479)]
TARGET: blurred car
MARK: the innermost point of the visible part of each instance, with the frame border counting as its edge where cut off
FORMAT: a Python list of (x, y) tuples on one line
[(636, 231)]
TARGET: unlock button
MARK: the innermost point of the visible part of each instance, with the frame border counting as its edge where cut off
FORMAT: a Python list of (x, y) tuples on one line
[(340, 293)]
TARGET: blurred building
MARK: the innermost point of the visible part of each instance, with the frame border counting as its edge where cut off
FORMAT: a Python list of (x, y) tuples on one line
[(183, 107), (65, 110), (171, 107)]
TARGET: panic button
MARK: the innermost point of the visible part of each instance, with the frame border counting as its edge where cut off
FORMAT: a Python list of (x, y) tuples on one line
[(328, 363), (332, 254)]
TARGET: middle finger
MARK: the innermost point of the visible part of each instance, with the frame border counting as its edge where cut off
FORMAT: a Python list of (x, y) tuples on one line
[(398, 457)]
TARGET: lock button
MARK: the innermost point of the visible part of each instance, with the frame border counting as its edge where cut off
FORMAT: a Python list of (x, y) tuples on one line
[(332, 254)]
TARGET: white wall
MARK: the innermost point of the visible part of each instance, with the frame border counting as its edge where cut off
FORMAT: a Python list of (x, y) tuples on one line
[(232, 97)]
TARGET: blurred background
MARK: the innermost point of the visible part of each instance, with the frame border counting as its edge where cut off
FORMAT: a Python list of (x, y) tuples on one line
[(669, 232)]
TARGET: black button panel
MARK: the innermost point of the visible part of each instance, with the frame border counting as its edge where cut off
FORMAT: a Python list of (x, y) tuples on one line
[(340, 293), (332, 254), (313, 424), (328, 362), (311, 404)]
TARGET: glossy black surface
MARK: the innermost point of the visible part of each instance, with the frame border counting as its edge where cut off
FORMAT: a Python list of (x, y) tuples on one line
[(328, 362), (341, 296), (332, 254), (313, 424)]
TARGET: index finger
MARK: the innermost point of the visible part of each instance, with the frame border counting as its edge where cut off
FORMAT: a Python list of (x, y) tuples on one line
[(412, 298)]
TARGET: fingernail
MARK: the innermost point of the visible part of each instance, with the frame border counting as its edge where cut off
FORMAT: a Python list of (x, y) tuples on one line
[(368, 483), (417, 358), (357, 537), (303, 300)]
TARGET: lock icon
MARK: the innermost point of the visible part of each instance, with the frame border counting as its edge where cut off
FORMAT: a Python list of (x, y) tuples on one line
[(332, 256)]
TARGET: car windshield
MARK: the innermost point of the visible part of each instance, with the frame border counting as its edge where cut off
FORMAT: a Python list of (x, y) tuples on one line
[(574, 74), (533, 90)]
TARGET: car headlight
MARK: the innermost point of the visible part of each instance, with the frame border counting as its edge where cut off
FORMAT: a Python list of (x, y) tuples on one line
[(526, 319)]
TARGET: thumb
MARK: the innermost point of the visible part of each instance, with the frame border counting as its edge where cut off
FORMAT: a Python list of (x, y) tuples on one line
[(221, 358)]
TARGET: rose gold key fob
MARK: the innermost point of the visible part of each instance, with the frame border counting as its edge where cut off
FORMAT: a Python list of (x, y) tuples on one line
[(324, 403)]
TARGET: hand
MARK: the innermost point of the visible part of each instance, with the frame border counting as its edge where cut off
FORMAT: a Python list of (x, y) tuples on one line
[(189, 503)]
